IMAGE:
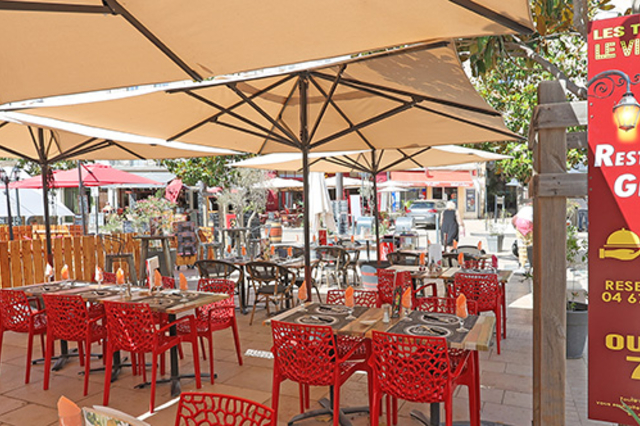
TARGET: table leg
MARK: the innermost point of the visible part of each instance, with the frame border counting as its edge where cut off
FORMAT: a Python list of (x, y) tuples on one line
[(328, 410), (144, 251), (435, 416), (175, 367), (116, 368), (166, 251), (242, 293)]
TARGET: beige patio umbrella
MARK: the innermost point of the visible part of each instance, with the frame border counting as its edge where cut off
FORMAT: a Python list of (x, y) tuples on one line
[(373, 162), (68, 46), (37, 140), (411, 98)]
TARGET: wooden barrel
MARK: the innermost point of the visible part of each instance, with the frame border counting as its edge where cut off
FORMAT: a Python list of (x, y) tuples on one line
[(275, 231)]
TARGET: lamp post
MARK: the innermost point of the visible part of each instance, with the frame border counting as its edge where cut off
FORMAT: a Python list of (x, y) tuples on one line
[(515, 184), (15, 177), (627, 111), (4, 177)]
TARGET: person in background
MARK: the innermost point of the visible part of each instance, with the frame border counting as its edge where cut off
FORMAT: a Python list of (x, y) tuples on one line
[(450, 223), (454, 198), (523, 223)]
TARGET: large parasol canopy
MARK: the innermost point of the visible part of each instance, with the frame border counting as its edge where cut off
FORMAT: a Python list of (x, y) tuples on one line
[(60, 47), (373, 162), (411, 98), (42, 141)]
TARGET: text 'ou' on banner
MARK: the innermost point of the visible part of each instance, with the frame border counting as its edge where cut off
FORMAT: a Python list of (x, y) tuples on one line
[(614, 219)]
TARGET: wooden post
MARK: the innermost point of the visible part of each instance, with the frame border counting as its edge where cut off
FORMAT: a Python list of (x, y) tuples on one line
[(549, 271)]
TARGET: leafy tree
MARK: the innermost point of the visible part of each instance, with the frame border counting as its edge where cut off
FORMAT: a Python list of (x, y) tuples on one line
[(507, 71), (213, 171), (34, 168)]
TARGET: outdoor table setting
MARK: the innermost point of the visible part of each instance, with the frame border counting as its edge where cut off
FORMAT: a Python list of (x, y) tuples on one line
[(170, 302), (473, 333)]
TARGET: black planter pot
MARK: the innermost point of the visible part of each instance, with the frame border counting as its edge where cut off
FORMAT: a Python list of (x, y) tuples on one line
[(577, 329)]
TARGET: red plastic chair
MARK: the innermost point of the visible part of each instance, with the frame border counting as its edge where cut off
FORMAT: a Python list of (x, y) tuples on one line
[(68, 318), (365, 298), (131, 328), (306, 354), (108, 277), (419, 369), (17, 315), (361, 298), (444, 305), (388, 280), (214, 317), (212, 409), (485, 290), (168, 283)]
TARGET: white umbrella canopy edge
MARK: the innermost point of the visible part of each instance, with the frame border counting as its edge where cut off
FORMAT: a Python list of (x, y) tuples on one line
[(79, 46), (31, 204), (319, 204), (22, 136)]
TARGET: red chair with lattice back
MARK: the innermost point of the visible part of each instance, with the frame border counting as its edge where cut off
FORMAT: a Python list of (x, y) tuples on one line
[(306, 354), (365, 298), (108, 277), (388, 280), (419, 369), (168, 283), (212, 409), (17, 315), (131, 328), (444, 305), (214, 317), (68, 318), (485, 290), (361, 298)]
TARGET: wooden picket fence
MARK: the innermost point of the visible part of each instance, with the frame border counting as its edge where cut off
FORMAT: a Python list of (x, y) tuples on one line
[(24, 232), (22, 262), (28, 232)]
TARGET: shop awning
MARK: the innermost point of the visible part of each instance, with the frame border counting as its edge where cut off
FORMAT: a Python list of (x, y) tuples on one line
[(437, 178)]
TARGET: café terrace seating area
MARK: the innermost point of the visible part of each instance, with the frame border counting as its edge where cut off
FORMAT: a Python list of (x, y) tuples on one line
[(241, 351)]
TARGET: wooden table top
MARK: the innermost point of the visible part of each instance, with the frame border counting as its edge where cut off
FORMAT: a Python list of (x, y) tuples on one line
[(296, 263), (153, 237), (444, 273), (478, 338), (447, 274), (170, 302)]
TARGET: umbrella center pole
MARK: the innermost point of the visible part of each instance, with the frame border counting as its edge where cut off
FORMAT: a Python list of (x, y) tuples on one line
[(303, 86), (9, 218), (45, 201)]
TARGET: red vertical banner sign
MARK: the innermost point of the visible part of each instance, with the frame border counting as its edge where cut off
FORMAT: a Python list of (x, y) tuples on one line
[(614, 219)]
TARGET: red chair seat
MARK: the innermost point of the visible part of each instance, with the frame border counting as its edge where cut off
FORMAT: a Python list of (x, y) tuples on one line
[(214, 317), (17, 315), (70, 319)]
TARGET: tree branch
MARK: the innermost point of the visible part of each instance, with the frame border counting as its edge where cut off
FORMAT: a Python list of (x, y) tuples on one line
[(518, 45)]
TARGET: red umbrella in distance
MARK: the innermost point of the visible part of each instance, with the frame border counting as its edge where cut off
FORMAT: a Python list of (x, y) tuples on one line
[(92, 175)]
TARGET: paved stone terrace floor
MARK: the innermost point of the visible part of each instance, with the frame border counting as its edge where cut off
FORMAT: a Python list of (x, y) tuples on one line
[(506, 379)]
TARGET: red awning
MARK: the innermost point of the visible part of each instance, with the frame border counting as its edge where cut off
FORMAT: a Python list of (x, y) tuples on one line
[(92, 175), (439, 178)]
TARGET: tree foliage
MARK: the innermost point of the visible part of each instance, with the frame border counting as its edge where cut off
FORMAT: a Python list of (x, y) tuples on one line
[(34, 168), (507, 70), (213, 171)]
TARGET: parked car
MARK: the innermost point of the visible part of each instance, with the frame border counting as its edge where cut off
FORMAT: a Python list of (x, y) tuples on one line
[(426, 212)]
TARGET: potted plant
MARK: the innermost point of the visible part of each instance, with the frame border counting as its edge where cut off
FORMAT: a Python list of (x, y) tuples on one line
[(577, 308)]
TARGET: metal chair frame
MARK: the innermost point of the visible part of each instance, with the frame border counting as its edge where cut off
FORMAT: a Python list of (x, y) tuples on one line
[(272, 283)]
